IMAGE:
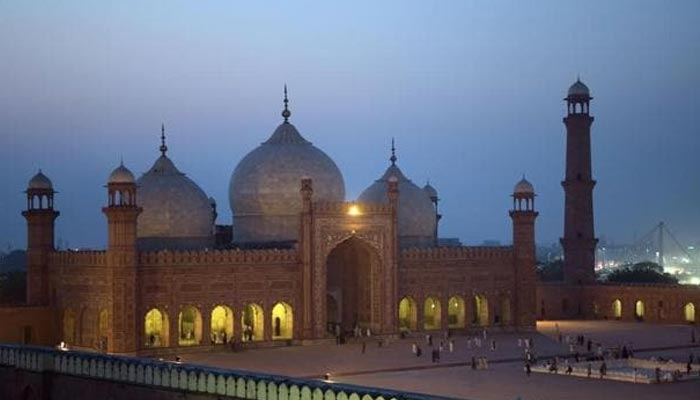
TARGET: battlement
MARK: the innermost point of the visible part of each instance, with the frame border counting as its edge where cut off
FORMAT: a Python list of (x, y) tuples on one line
[(463, 252), (85, 258), (212, 257), (343, 207)]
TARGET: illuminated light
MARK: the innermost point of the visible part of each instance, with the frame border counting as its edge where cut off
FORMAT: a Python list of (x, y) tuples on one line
[(695, 280), (432, 306), (354, 210)]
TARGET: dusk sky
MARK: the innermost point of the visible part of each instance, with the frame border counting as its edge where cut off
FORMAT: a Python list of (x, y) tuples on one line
[(471, 91)]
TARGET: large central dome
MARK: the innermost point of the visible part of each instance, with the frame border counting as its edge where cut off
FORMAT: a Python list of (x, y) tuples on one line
[(264, 189)]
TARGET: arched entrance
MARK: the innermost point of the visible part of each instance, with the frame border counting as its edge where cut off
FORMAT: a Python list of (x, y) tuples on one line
[(617, 309), (282, 321), (506, 317), (639, 310), (103, 329), (689, 312), (156, 328), (431, 314), (190, 323), (481, 311), (221, 327), (408, 314), (349, 285), (455, 312), (252, 323)]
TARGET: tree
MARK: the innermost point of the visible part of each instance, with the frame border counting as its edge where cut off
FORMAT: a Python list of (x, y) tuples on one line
[(13, 287), (552, 271), (642, 272)]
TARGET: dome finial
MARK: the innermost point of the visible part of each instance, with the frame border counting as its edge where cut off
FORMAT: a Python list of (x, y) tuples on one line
[(286, 113), (163, 147), (393, 153)]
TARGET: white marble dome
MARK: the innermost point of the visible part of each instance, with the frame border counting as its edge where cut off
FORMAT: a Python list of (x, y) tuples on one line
[(40, 182), (579, 89), (416, 212), (524, 187), (176, 212), (264, 188), (121, 174)]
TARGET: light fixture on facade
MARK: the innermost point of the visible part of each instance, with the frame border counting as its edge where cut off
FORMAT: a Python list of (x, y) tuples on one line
[(354, 210)]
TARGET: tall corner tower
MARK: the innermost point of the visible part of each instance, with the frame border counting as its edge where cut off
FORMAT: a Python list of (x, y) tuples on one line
[(579, 241), (524, 215)]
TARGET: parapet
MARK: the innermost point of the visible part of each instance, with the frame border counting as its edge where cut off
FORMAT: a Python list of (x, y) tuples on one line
[(83, 258), (460, 253), (213, 257)]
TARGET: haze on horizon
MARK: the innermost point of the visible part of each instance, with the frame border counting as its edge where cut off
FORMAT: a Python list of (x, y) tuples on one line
[(472, 92)]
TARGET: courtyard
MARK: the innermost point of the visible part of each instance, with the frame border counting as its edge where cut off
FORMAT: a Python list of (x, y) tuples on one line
[(393, 364)]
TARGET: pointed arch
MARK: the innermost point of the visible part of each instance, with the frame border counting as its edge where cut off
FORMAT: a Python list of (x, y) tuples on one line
[(282, 321), (221, 325), (190, 326), (639, 310), (156, 328), (481, 310), (617, 309), (432, 314), (506, 315), (408, 314), (456, 312), (252, 322), (68, 326), (689, 313)]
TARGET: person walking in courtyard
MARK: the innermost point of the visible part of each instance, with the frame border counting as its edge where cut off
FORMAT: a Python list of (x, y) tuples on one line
[(364, 347), (493, 344), (414, 348), (473, 363), (603, 369), (451, 345), (528, 368), (590, 368)]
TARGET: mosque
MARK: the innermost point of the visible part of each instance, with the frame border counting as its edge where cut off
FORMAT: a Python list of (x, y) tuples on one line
[(298, 264)]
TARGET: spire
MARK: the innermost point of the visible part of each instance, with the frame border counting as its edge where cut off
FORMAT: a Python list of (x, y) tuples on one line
[(286, 113), (163, 147), (393, 153)]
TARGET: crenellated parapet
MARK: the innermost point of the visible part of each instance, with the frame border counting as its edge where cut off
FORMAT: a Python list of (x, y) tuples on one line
[(87, 258), (213, 257), (350, 207), (457, 253)]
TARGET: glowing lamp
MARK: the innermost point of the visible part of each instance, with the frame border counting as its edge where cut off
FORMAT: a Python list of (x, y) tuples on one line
[(354, 211)]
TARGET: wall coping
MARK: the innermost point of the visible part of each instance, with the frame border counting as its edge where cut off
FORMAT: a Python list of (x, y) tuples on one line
[(187, 377)]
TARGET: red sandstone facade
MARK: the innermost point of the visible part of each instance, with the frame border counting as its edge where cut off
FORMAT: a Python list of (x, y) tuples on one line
[(346, 269)]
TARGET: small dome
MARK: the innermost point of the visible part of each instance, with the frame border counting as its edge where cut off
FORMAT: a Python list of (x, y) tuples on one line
[(430, 190), (40, 181), (524, 187), (579, 89), (264, 188), (121, 174), (176, 211), (416, 214)]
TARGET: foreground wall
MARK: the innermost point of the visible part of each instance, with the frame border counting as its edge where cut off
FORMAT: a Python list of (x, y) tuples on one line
[(32, 373), (630, 302)]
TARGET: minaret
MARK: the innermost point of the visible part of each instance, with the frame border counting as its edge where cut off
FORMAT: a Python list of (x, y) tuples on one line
[(579, 240), (122, 213), (40, 217), (523, 215)]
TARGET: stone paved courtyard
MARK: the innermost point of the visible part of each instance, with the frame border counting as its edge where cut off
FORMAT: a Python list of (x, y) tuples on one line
[(394, 366)]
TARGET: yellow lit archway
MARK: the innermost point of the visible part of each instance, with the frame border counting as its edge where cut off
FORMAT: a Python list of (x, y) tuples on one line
[(156, 328), (617, 309), (190, 326), (481, 311), (252, 323), (221, 326), (408, 314), (432, 314), (282, 321), (639, 310), (689, 312), (455, 312), (69, 326)]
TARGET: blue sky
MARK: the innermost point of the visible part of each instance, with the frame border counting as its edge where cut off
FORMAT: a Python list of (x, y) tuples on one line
[(472, 92)]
